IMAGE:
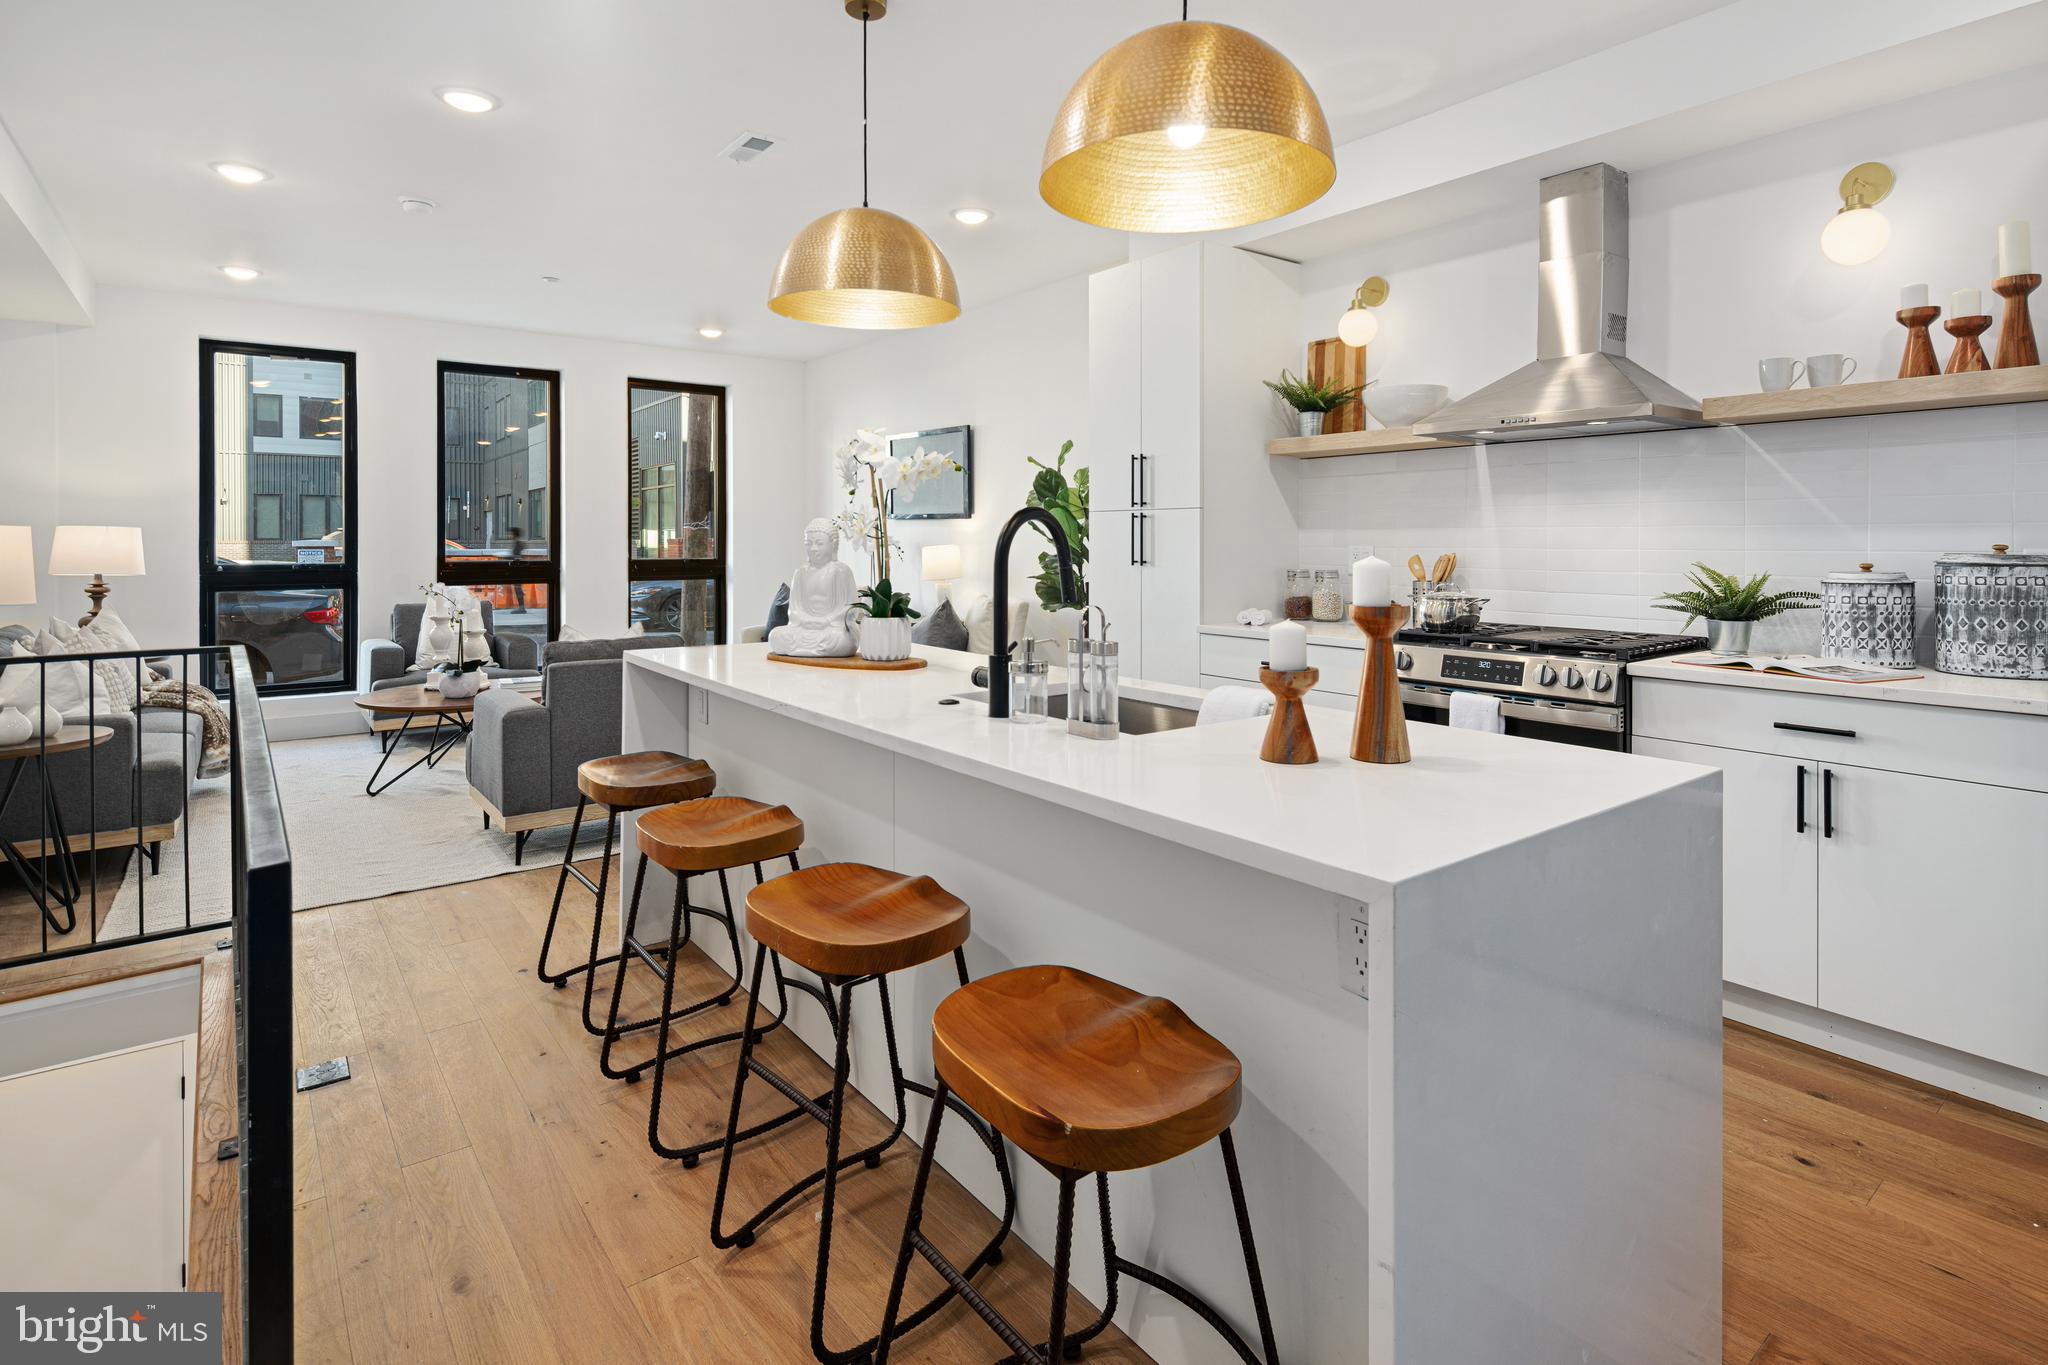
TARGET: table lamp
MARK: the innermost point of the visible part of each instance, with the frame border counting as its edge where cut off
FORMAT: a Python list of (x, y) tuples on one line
[(941, 565), (94, 552)]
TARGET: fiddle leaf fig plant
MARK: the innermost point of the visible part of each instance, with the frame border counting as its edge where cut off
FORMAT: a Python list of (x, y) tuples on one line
[(882, 600), (1067, 500), (1726, 597)]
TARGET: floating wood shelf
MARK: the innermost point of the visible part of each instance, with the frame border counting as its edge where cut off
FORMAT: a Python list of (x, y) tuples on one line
[(1980, 388), (1385, 441)]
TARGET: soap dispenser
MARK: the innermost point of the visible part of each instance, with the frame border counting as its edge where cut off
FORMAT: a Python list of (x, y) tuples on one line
[(1030, 683), (1091, 681)]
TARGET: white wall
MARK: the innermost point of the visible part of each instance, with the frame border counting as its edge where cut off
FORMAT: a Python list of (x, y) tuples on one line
[(1016, 370), (103, 427)]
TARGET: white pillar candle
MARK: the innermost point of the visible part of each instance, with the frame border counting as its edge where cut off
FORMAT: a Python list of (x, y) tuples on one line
[(2015, 249), (1965, 303), (1287, 647), (1913, 296), (1372, 582)]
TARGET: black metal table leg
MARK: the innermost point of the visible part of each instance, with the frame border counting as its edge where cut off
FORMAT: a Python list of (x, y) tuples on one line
[(42, 886), (436, 747)]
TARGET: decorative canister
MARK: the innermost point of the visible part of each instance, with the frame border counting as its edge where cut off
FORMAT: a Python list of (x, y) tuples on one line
[(1867, 617), (1328, 600), (1299, 603), (1991, 614)]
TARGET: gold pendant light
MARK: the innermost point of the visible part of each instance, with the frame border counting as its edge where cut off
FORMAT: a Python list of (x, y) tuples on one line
[(1187, 127), (864, 267)]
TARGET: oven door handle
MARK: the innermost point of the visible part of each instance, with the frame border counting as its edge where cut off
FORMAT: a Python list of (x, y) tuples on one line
[(1544, 713)]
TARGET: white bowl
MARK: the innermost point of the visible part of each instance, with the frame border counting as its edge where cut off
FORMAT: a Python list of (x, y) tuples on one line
[(1403, 405)]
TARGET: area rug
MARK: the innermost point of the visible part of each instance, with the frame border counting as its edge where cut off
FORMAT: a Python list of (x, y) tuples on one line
[(426, 831)]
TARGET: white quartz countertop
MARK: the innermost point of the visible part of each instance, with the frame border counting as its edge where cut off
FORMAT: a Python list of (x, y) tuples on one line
[(1930, 689), (1354, 829)]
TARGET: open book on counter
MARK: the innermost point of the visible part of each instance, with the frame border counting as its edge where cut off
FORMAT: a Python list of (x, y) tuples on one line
[(1807, 666)]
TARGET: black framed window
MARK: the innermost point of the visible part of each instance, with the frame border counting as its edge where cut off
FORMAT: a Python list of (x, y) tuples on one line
[(675, 508), (277, 544), (499, 490)]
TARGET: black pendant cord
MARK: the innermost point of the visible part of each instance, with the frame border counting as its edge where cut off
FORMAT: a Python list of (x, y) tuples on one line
[(864, 111)]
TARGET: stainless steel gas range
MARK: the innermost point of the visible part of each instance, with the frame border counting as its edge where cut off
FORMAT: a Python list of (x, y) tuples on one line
[(1557, 683)]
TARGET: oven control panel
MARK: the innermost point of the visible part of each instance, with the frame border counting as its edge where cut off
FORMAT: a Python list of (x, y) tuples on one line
[(1531, 675)]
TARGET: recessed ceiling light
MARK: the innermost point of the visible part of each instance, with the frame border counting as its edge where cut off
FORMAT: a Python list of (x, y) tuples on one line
[(483, 443), (551, 279), (467, 101), (711, 333), (240, 273), (239, 173), (412, 204), (972, 217)]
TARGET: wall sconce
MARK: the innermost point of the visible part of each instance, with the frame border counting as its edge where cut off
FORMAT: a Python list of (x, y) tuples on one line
[(1359, 325), (1858, 232)]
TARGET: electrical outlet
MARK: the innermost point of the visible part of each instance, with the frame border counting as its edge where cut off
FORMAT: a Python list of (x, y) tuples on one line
[(700, 705), (1358, 552), (1352, 954)]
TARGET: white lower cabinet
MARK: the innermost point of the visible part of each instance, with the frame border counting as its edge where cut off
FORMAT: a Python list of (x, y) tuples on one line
[(1913, 902), (1769, 846)]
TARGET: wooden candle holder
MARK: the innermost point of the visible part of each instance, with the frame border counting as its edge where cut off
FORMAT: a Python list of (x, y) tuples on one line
[(1379, 732), (2016, 345), (1919, 359), (1968, 354), (1288, 738)]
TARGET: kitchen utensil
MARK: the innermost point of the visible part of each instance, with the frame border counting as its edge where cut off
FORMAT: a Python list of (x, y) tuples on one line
[(1448, 610), (1440, 570), (1092, 680), (1403, 405), (1918, 361), (1867, 617), (1826, 371), (1418, 593), (1415, 567), (1288, 736), (1330, 361), (1450, 566), (1775, 374), (1991, 614)]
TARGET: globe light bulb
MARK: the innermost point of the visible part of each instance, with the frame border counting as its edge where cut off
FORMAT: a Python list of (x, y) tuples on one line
[(1358, 326), (1186, 135), (1855, 236)]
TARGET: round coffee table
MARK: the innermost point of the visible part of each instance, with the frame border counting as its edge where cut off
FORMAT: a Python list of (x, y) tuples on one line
[(43, 885), (416, 703)]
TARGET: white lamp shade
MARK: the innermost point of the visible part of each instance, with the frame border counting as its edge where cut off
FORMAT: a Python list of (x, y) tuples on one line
[(941, 563), (1357, 327), (82, 551), (1854, 236), (17, 565)]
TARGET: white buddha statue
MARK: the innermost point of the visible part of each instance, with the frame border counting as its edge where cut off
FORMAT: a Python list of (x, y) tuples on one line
[(819, 595)]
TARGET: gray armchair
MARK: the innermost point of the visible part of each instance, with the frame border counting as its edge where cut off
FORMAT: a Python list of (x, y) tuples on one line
[(391, 662), (523, 754), (98, 790)]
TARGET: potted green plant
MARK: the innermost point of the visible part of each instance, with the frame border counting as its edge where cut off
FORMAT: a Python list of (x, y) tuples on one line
[(1731, 606), (1312, 399), (1067, 500)]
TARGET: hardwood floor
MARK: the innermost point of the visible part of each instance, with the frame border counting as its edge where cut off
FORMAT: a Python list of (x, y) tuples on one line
[(480, 1193)]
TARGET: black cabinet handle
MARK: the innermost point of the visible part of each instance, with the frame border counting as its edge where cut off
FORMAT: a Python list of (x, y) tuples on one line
[(1813, 729), (1143, 557), (1827, 803), (1134, 483), (1799, 786), (1134, 539), (1143, 500)]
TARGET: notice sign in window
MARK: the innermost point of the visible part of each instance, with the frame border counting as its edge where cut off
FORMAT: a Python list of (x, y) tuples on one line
[(165, 1329)]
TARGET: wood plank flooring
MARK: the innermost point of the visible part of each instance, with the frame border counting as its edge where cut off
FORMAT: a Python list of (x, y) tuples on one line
[(481, 1193)]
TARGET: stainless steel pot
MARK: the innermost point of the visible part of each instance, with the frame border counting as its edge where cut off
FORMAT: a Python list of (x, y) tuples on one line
[(1450, 610), (1867, 617), (1991, 614)]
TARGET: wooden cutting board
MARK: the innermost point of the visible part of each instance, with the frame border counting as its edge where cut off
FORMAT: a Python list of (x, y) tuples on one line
[(1331, 359), (851, 661)]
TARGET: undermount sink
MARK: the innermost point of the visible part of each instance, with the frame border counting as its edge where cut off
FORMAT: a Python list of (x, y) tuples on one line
[(1133, 717)]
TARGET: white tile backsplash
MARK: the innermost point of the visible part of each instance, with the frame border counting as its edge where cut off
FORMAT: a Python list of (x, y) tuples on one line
[(1587, 531)]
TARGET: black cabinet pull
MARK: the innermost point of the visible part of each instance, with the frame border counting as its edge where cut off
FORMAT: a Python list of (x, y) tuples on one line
[(1799, 787), (1813, 729), (1134, 484), (1143, 500), (1134, 539), (1143, 557), (1827, 803)]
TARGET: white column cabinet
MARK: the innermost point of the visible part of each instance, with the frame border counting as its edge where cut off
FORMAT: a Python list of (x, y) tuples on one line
[(1113, 389), (1170, 379), (1770, 840), (1170, 593), (1115, 581)]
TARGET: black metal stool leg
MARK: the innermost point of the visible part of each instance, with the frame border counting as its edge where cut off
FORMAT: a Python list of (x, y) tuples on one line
[(668, 1001), (913, 1223), (745, 1236), (1251, 1253), (611, 1023), (558, 979), (1062, 1264)]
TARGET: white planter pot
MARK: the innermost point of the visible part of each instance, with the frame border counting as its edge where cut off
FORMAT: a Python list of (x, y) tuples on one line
[(884, 639), (456, 686)]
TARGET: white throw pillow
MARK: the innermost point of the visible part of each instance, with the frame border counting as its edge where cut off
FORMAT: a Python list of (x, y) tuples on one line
[(116, 688), (978, 614), (59, 686)]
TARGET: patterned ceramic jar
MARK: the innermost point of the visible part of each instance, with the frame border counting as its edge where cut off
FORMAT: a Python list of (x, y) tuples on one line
[(1991, 614), (1867, 617)]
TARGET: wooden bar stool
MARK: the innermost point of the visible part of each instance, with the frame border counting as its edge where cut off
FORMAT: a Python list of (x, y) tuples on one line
[(693, 838), (849, 924), (1085, 1076), (622, 782)]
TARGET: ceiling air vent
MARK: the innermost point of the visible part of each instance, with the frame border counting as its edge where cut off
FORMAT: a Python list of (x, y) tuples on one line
[(746, 147)]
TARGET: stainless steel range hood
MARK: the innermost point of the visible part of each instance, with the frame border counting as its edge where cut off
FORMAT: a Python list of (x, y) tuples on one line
[(1582, 382)]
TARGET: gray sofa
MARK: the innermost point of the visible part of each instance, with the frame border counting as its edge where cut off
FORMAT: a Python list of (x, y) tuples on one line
[(523, 754), (171, 744)]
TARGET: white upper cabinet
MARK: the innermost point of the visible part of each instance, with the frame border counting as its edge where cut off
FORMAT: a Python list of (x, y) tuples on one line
[(1113, 385), (1170, 378)]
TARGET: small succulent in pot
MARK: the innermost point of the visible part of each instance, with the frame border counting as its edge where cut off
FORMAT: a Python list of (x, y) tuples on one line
[(1732, 606)]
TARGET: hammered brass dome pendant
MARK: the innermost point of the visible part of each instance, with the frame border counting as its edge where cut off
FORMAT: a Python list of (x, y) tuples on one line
[(865, 268), (1187, 127)]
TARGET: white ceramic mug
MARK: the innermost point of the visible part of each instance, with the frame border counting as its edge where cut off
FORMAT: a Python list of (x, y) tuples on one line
[(1825, 371), (1778, 373)]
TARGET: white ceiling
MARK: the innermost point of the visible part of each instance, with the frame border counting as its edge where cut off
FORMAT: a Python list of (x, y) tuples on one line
[(601, 167)]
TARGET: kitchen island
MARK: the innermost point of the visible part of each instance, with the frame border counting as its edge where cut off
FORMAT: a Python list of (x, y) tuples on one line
[(1477, 996)]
